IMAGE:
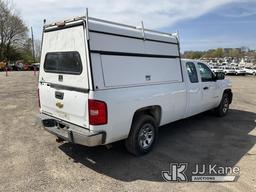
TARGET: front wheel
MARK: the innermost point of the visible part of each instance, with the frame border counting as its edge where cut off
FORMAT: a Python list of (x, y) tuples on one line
[(143, 135), (223, 108)]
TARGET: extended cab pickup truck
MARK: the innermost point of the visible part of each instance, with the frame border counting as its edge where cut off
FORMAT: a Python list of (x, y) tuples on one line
[(102, 82)]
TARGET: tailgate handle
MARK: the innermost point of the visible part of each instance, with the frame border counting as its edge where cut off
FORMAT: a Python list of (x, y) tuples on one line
[(59, 95)]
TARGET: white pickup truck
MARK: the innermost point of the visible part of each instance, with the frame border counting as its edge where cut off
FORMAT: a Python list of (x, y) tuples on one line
[(250, 70), (102, 82)]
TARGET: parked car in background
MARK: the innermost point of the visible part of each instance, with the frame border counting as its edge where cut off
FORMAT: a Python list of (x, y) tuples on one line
[(26, 67), (216, 69), (239, 71), (16, 67), (35, 66), (250, 70), (10, 66), (228, 70), (19, 66)]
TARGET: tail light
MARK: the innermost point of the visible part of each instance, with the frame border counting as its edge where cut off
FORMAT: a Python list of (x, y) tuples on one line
[(97, 112), (38, 98)]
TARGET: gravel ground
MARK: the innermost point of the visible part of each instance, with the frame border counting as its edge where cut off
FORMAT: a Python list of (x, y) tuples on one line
[(31, 160)]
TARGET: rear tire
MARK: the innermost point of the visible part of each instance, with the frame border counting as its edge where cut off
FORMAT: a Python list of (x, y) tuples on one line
[(143, 135), (223, 108)]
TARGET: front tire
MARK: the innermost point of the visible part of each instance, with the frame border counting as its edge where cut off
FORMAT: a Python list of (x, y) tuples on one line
[(223, 108), (143, 135)]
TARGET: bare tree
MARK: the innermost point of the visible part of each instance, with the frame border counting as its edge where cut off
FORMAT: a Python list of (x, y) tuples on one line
[(13, 31), (3, 17)]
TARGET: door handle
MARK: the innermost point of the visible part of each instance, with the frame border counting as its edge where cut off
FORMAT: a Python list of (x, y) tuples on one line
[(205, 88)]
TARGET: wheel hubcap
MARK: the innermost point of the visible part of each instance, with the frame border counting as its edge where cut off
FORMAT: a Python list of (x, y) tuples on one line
[(146, 136), (225, 105)]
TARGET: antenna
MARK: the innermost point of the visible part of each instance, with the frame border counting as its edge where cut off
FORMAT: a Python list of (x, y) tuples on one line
[(87, 24), (33, 45), (178, 34), (143, 30), (42, 37)]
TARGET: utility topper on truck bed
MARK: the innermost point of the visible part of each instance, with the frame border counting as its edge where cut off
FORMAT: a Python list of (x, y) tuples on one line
[(101, 82)]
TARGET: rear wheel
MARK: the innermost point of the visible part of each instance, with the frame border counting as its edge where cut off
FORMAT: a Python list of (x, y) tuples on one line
[(223, 108), (142, 136)]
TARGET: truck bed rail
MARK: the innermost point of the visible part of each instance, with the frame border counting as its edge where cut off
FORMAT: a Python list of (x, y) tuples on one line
[(86, 18)]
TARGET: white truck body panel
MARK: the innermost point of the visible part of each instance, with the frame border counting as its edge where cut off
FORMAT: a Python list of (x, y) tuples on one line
[(106, 42), (125, 102), (126, 69)]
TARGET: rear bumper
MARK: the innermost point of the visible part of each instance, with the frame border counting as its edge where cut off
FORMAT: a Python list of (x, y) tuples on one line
[(72, 133)]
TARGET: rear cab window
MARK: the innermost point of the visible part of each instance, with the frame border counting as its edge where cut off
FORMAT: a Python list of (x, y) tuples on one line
[(63, 63), (192, 73)]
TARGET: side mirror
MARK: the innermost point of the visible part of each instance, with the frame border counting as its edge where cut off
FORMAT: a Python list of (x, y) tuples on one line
[(220, 76)]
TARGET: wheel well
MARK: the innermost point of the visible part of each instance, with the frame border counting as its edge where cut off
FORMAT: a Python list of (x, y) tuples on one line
[(154, 111), (230, 95)]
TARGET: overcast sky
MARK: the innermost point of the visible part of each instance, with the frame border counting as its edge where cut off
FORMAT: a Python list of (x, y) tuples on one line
[(202, 24)]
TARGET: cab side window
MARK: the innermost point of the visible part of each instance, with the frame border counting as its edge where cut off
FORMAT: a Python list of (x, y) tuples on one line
[(192, 73), (206, 73)]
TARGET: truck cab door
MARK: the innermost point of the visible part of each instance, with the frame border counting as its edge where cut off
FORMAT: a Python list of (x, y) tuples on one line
[(194, 93), (209, 87)]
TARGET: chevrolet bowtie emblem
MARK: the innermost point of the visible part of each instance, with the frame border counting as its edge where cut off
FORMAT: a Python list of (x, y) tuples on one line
[(59, 104)]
